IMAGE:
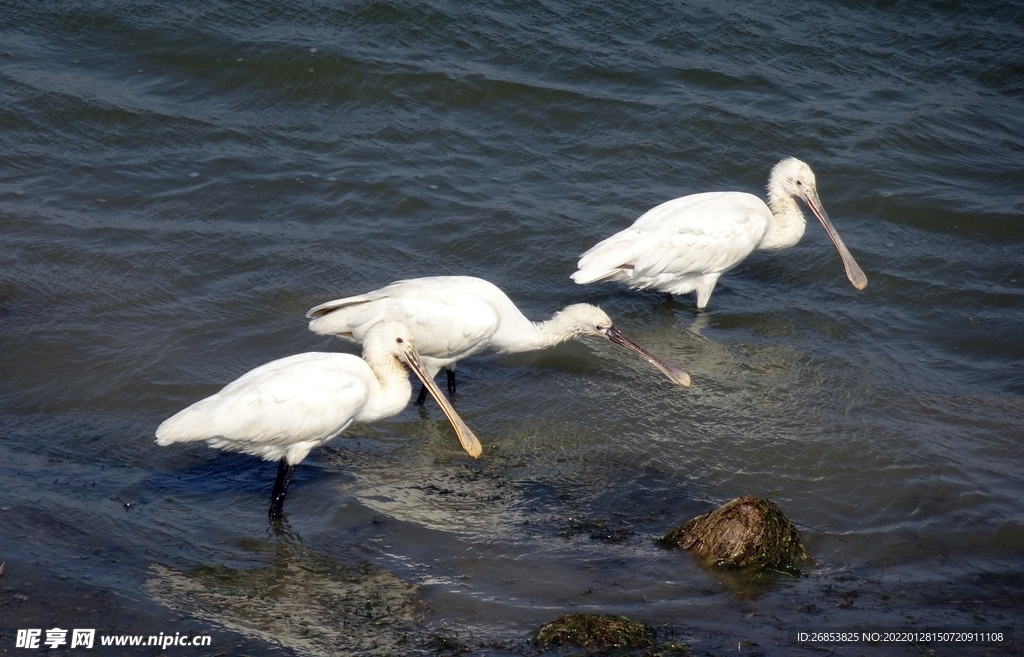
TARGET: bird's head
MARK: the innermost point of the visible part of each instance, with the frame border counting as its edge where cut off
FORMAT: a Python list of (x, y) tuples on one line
[(792, 177), (585, 319), (391, 338), (395, 339)]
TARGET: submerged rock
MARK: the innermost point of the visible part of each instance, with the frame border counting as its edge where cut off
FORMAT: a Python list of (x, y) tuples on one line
[(300, 599), (747, 533), (594, 632)]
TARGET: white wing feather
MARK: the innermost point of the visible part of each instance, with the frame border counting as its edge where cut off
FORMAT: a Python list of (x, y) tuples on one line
[(446, 317), (685, 237), (309, 397)]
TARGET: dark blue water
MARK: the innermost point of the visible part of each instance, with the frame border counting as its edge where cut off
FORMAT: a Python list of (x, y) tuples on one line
[(180, 183)]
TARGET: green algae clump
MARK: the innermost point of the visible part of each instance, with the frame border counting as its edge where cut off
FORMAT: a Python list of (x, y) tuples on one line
[(594, 632), (746, 533)]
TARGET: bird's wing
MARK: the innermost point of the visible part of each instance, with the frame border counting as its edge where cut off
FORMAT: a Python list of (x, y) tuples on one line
[(342, 317), (307, 397), (445, 314), (413, 287), (695, 234)]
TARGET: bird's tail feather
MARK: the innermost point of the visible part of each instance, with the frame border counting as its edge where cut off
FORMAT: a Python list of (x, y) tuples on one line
[(330, 306), (583, 277)]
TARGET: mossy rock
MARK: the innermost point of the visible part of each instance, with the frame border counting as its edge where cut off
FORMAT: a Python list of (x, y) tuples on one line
[(446, 644), (594, 632), (746, 533)]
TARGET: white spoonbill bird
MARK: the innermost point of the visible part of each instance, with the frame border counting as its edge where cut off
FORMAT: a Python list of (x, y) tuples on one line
[(283, 409), (453, 317), (685, 244)]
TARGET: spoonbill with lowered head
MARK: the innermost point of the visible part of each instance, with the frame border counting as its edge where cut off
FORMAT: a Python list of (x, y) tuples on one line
[(685, 244), (283, 409), (453, 317)]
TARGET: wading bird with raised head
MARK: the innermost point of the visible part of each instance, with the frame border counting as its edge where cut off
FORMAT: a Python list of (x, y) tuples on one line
[(283, 409), (453, 317), (685, 244)]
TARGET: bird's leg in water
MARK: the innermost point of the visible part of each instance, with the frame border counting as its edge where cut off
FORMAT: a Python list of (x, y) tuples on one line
[(450, 374), (284, 477)]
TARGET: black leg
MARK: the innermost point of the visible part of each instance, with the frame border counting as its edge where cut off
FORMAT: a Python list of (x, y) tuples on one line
[(422, 397), (284, 477)]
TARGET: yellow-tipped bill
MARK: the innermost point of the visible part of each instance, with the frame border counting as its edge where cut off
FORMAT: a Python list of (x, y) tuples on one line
[(466, 437)]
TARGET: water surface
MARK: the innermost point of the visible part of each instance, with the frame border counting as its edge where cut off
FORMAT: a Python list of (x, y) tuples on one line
[(179, 184)]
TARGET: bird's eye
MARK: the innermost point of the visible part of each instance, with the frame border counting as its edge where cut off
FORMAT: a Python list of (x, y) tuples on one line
[(400, 340), (599, 327), (799, 183)]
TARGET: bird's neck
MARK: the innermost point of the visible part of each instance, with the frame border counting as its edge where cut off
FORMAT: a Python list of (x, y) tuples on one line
[(391, 394), (534, 336), (787, 224)]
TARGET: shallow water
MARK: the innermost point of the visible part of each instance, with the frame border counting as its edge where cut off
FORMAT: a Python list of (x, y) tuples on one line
[(180, 184)]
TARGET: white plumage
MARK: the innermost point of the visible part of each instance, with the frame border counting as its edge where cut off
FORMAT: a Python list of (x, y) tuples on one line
[(453, 317), (285, 408), (685, 244)]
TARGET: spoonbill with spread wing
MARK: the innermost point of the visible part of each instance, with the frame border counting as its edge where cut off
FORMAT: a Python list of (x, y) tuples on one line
[(453, 317)]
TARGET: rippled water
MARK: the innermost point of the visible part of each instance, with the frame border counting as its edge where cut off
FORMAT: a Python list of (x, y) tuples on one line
[(180, 183)]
